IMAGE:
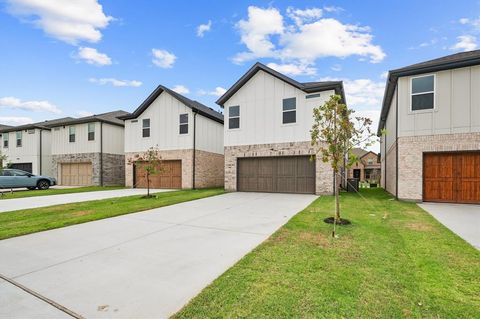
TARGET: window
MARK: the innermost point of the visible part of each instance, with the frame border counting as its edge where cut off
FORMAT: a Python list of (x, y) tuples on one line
[(289, 110), (423, 93), (91, 131), (370, 161), (19, 138), (31, 131), (146, 127), (5, 139), (234, 117), (183, 123), (312, 96), (71, 134)]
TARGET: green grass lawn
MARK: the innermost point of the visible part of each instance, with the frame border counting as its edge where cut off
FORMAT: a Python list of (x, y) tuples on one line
[(394, 261), (28, 221), (54, 191)]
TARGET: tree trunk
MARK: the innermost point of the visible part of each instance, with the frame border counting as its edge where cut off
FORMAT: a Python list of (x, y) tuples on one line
[(337, 199), (148, 185)]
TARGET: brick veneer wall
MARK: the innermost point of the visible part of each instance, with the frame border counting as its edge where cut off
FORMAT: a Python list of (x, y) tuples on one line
[(410, 158), (324, 172), (208, 170), (113, 169)]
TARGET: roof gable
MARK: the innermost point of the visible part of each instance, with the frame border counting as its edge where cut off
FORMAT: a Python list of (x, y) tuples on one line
[(194, 105), (307, 87)]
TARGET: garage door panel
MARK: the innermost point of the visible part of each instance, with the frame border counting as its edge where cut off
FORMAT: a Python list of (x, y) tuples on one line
[(76, 174), (452, 177), (168, 175), (287, 174)]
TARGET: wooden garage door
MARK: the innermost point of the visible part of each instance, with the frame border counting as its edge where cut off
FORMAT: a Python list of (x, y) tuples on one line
[(288, 174), (76, 174), (169, 176), (451, 177)]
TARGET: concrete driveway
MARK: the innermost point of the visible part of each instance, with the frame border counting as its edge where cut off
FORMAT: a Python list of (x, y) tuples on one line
[(7, 205), (462, 219), (142, 265)]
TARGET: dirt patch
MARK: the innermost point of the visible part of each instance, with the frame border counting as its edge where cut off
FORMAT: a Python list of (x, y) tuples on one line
[(419, 227), (82, 213)]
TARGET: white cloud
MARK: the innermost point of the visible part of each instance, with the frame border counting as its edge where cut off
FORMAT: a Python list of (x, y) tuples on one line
[(115, 82), (218, 91), (68, 21), (92, 56), (293, 69), (163, 58), (34, 106), (310, 37), (15, 120), (181, 89), (465, 43), (472, 22), (336, 67), (203, 28), (384, 75), (84, 113)]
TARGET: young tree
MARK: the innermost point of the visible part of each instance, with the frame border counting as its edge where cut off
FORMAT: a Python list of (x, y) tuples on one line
[(151, 164), (334, 134)]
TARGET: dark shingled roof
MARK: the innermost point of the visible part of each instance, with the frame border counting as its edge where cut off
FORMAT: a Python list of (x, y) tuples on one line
[(45, 125), (307, 87), (453, 61), (3, 126), (194, 105), (109, 117)]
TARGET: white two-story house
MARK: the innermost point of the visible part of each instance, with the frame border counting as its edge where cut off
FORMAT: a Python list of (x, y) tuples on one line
[(28, 147), (188, 134), (430, 130), (268, 118), (89, 150)]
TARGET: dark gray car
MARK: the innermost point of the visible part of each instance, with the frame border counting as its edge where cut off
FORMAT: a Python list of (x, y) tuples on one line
[(15, 178)]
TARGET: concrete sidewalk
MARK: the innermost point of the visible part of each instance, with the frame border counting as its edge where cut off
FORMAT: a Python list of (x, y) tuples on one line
[(142, 265), (7, 205)]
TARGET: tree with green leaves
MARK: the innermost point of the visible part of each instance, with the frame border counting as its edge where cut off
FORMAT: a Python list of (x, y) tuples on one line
[(335, 132), (150, 162)]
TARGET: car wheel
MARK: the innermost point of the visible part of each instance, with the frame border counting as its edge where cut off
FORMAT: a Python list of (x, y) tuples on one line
[(43, 184), (31, 188)]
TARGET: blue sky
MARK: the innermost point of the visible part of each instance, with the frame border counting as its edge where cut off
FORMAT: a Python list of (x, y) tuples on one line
[(76, 59)]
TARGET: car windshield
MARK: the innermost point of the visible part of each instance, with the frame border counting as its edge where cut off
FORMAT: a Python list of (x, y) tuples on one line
[(6, 172), (18, 172)]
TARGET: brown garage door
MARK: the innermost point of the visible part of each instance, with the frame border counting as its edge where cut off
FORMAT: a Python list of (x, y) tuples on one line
[(286, 174), (451, 177), (169, 175), (76, 174)]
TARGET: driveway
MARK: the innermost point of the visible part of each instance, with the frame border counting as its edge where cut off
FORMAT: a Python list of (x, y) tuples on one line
[(142, 265), (462, 219), (7, 205)]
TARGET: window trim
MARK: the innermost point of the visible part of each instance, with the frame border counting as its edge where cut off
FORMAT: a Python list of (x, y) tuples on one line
[(88, 132), (293, 110), (234, 117), (180, 124), (147, 127), (6, 140), (17, 139), (70, 134), (426, 92)]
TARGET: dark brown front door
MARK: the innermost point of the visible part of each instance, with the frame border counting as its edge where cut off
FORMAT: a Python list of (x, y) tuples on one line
[(169, 175), (285, 174), (451, 177)]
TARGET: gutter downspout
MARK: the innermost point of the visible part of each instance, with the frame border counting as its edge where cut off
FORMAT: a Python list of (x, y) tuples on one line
[(396, 143), (194, 147), (40, 160), (101, 153)]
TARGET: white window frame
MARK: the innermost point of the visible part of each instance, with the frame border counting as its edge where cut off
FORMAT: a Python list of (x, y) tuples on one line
[(149, 127), (16, 138), (426, 92), (70, 129), (294, 110), (234, 117), (7, 139), (93, 131), (180, 124)]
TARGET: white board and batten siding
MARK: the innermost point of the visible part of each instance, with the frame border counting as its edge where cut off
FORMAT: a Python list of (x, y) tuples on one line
[(261, 106), (164, 114), (112, 139), (457, 105)]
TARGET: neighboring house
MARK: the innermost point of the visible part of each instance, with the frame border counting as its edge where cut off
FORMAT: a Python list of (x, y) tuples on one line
[(89, 150), (28, 147), (2, 127), (267, 133), (188, 134), (431, 117), (366, 168)]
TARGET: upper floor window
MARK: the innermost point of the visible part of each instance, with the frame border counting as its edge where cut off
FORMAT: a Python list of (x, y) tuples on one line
[(71, 134), (370, 161), (289, 112), (5, 139), (423, 92), (91, 131), (183, 124), (19, 138), (234, 117), (146, 127)]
